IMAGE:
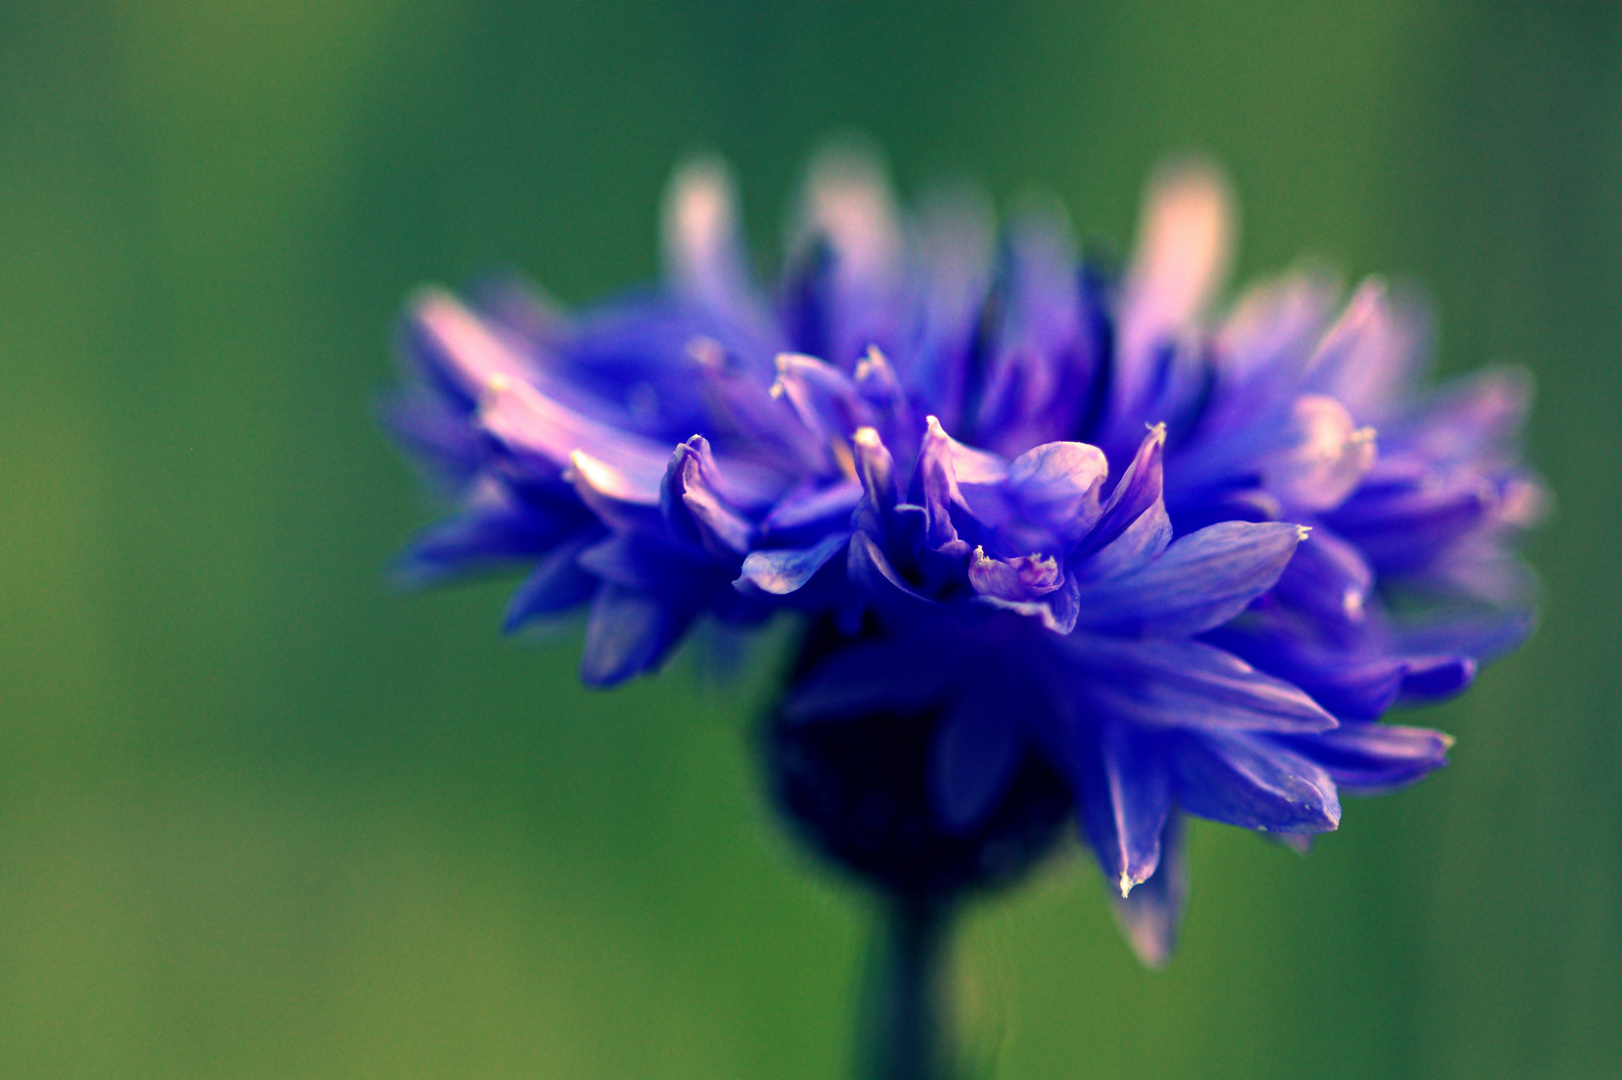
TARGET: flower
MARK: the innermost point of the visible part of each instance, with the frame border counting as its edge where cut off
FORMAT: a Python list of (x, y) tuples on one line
[(1170, 563)]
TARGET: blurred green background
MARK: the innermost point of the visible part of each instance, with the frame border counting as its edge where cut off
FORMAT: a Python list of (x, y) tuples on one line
[(259, 817)]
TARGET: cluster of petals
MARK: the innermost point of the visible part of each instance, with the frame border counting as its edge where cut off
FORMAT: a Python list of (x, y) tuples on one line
[(1188, 558)]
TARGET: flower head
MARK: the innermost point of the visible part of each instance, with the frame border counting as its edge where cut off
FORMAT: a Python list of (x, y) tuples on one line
[(1071, 518)]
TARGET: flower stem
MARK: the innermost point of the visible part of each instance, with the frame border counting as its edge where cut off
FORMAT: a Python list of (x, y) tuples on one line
[(906, 1026)]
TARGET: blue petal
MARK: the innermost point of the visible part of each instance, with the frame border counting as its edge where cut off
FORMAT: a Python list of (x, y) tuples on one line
[(1151, 915), (892, 675), (1329, 578), (1041, 362), (1359, 680), (628, 632), (975, 753), (644, 561), (1199, 582), (1056, 487), (1433, 678), (693, 505), (556, 584), (1374, 350), (812, 511), (706, 258), (619, 499), (543, 433), (943, 465), (872, 569), (1326, 455), (460, 353), (1181, 257), (1026, 577), (1247, 780), (1125, 800), (825, 399), (956, 232), (1186, 684), (1135, 494), (1371, 759), (781, 571)]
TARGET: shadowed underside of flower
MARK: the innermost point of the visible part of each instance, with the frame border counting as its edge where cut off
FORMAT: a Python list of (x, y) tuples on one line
[(1178, 559)]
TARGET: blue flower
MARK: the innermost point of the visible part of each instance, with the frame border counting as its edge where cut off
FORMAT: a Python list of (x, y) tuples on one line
[(1183, 561)]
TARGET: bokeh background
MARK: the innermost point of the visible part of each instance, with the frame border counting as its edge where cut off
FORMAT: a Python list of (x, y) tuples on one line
[(261, 817)]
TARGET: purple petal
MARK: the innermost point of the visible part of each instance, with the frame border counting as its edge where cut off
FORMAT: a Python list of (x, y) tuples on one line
[(1056, 486), (534, 428), (1024, 578), (706, 258), (1360, 680), (463, 354), (872, 569)]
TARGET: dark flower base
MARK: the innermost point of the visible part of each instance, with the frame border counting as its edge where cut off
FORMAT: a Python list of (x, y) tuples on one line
[(856, 790)]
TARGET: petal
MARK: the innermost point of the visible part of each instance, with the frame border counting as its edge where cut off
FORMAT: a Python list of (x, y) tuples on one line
[(1038, 376), (1244, 779), (556, 584), (825, 399), (1152, 914), (1371, 759), (619, 499), (781, 571), (1271, 328), (955, 235), (1183, 250), (815, 509), (645, 561), (847, 202), (1374, 351), (1329, 578), (706, 259), (1360, 680), (1327, 456), (870, 568), (533, 427), (1199, 582), (462, 354), (1186, 684), (1024, 578), (1136, 492), (692, 503), (870, 677), (628, 632), (1125, 800), (1135, 548), (1057, 485), (975, 752)]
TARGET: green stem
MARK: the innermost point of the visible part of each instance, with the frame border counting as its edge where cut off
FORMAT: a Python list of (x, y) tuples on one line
[(906, 1023)]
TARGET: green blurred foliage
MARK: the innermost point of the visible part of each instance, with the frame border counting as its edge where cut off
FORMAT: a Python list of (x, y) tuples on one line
[(261, 817)]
